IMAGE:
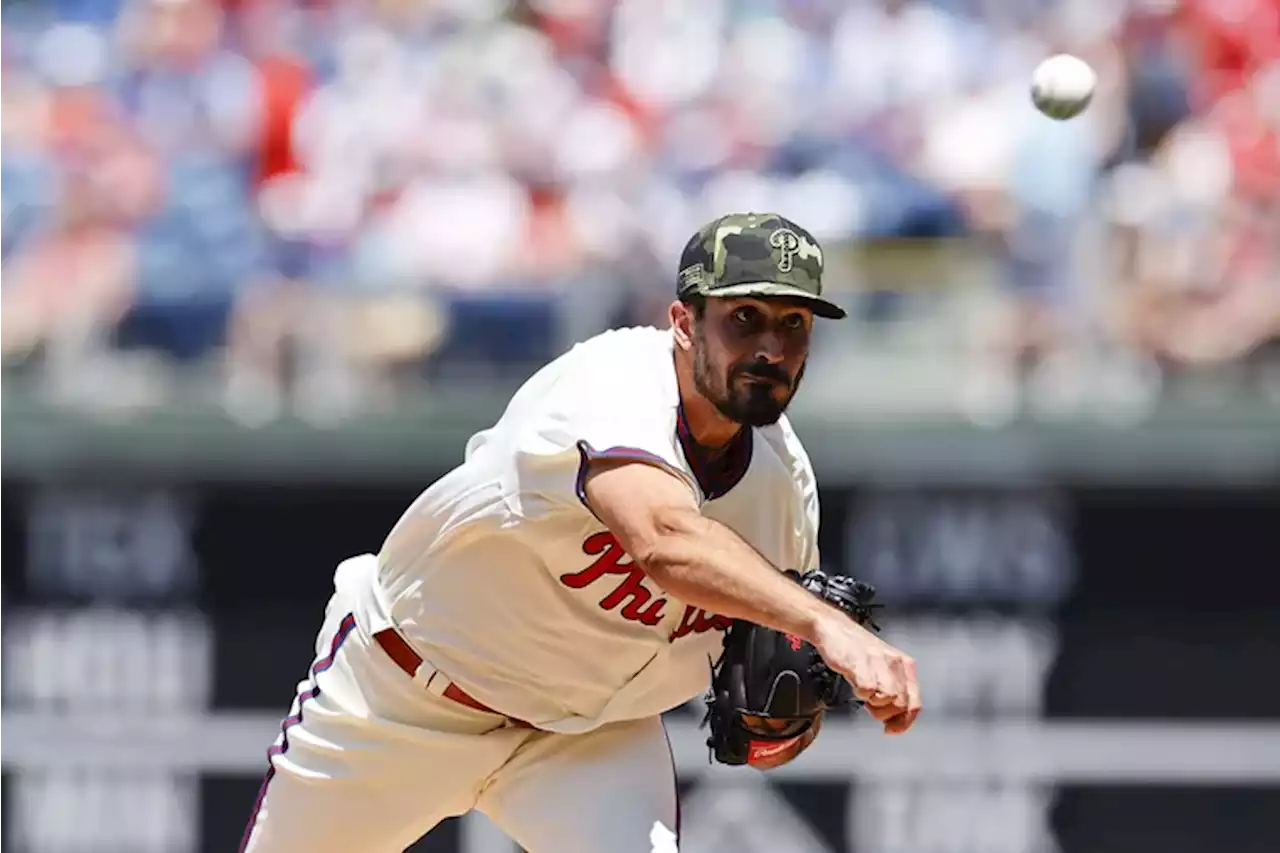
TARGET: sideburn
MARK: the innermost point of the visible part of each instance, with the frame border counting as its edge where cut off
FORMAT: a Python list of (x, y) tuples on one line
[(704, 378)]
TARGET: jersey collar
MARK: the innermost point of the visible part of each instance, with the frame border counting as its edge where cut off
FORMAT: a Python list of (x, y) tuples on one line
[(718, 474)]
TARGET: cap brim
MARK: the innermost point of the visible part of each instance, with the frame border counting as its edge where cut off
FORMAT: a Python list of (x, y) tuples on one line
[(776, 290)]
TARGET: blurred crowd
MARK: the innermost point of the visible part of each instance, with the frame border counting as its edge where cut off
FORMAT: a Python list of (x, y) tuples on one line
[(323, 199)]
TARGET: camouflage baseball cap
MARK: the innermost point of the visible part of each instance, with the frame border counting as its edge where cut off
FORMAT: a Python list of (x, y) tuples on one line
[(755, 254)]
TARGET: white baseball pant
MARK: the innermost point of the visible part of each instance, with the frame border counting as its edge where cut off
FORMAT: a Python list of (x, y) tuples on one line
[(369, 760)]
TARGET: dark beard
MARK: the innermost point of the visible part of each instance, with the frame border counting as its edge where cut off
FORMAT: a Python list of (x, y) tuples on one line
[(749, 403)]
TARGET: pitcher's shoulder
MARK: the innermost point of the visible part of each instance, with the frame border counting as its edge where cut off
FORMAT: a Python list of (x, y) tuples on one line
[(622, 364), (790, 451), (638, 345)]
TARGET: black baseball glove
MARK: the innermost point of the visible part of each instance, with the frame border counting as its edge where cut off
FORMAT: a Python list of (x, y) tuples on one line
[(769, 690)]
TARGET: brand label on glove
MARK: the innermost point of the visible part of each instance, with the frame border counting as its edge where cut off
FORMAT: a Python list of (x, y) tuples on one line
[(762, 749)]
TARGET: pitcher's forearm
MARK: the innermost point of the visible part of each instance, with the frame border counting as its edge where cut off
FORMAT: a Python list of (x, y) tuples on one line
[(703, 563)]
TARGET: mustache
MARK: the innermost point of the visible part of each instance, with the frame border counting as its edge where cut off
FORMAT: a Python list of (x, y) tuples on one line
[(769, 372)]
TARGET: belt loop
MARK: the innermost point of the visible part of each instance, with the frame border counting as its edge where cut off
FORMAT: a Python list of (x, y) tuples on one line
[(424, 675), (431, 679)]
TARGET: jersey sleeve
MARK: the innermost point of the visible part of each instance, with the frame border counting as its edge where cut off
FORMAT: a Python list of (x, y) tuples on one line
[(554, 451)]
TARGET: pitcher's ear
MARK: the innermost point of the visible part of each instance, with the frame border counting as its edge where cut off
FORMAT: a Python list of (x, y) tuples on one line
[(682, 316)]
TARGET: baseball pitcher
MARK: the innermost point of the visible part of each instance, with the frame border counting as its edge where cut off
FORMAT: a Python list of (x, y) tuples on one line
[(638, 528)]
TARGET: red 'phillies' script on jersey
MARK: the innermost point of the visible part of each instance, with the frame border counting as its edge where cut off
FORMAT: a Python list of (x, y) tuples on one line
[(640, 604)]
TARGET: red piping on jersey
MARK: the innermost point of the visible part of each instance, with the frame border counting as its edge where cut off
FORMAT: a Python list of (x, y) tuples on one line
[(281, 746), (589, 454)]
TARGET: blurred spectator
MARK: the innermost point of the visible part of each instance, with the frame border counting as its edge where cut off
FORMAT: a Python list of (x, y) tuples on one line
[(329, 200), (80, 184), (274, 314), (1231, 40)]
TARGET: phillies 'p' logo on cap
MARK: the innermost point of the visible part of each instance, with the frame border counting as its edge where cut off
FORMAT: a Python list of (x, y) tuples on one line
[(787, 242)]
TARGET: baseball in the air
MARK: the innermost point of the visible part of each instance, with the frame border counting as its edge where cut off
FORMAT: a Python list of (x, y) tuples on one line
[(1062, 86)]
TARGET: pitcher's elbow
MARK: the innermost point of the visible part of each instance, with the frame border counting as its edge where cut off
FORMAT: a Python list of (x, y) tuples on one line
[(667, 553)]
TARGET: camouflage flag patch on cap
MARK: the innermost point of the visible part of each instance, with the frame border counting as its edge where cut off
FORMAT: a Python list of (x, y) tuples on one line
[(755, 254)]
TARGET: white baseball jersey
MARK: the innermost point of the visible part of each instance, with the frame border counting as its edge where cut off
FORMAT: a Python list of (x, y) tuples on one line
[(504, 580)]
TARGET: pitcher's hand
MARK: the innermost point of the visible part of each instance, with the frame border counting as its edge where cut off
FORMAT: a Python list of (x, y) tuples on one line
[(881, 676)]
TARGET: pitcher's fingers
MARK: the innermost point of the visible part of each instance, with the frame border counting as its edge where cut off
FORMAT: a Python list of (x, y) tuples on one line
[(887, 684), (896, 725), (904, 669), (901, 722), (882, 714), (876, 679), (913, 688), (882, 700)]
